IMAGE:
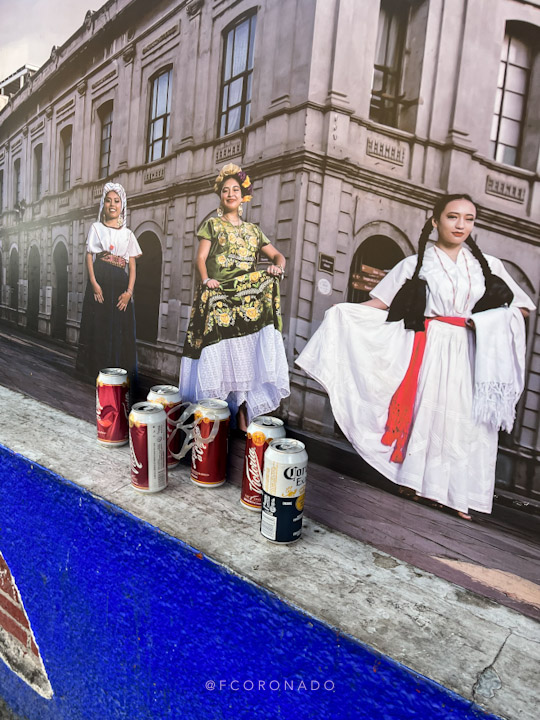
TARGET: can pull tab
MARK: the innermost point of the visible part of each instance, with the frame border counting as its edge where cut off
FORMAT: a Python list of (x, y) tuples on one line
[(192, 431)]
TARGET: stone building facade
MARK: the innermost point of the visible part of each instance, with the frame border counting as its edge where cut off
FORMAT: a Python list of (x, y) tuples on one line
[(351, 117)]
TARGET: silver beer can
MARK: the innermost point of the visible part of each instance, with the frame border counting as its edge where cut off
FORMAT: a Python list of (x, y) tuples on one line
[(168, 396), (283, 490), (148, 447)]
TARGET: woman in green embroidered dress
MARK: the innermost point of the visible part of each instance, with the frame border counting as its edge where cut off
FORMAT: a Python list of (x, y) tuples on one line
[(234, 348)]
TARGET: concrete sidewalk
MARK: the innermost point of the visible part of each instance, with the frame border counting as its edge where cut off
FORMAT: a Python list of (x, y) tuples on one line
[(483, 651)]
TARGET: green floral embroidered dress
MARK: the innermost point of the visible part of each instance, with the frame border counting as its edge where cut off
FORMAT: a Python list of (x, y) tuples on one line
[(234, 348)]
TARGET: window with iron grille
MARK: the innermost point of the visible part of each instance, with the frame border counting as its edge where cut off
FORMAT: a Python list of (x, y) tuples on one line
[(386, 95), (237, 74), (511, 100), (160, 116), (17, 181), (38, 171), (65, 160), (106, 118)]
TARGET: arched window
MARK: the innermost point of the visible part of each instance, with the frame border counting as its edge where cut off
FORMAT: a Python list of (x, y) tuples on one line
[(59, 292), (13, 279), (373, 259), (148, 287), (34, 277), (237, 74)]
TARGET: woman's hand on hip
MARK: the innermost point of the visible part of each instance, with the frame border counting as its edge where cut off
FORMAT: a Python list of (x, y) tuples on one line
[(123, 301), (212, 284), (98, 292), (275, 270)]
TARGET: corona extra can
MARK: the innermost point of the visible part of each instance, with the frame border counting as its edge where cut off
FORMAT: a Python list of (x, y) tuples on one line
[(209, 459), (283, 490), (148, 447), (261, 431), (112, 406), (168, 396)]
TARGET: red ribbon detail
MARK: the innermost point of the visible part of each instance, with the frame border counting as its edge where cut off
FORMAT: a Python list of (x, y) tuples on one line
[(400, 410)]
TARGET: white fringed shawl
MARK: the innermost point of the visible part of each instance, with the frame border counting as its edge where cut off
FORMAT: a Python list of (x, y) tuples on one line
[(499, 367)]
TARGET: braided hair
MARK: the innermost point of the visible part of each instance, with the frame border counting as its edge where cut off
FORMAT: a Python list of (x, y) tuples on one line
[(409, 304)]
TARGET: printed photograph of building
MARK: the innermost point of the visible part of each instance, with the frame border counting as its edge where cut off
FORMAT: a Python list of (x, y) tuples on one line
[(351, 118)]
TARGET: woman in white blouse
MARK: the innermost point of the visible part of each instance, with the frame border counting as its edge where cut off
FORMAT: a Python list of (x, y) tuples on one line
[(423, 375), (107, 335)]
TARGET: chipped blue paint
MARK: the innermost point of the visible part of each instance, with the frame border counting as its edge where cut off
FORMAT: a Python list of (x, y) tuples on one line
[(134, 624)]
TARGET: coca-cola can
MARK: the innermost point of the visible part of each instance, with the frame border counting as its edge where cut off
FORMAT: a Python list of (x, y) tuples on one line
[(148, 447), (112, 406), (168, 396), (283, 490), (209, 460), (260, 433)]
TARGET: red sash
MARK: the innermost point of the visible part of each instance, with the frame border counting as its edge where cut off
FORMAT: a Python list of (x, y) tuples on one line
[(400, 411)]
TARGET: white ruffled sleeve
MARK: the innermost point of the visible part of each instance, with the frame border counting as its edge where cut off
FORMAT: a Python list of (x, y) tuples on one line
[(93, 241), (133, 248), (392, 282)]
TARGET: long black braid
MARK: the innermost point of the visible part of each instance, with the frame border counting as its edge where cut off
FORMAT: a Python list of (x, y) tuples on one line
[(409, 304)]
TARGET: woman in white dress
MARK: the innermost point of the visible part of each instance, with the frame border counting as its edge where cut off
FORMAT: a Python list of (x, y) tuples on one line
[(422, 376)]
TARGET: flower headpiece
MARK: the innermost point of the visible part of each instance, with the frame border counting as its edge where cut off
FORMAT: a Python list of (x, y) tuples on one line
[(232, 170), (119, 190)]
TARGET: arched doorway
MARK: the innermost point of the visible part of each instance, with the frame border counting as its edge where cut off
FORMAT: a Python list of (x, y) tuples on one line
[(373, 259), (148, 287), (13, 280), (34, 277), (59, 292)]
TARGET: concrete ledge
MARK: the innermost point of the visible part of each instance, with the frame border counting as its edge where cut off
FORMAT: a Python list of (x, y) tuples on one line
[(484, 652)]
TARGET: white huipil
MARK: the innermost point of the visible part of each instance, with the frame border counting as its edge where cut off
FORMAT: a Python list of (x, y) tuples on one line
[(360, 359)]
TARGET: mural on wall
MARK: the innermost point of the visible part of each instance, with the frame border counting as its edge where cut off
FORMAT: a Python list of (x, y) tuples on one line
[(18, 646)]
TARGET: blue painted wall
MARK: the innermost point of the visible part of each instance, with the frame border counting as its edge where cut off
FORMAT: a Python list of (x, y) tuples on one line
[(132, 623)]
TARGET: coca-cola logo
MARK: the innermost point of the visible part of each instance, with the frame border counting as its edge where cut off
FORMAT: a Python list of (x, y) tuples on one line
[(253, 471)]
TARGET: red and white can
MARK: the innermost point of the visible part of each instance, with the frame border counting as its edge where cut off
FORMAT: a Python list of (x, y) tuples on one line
[(260, 433), (148, 447), (209, 460), (283, 490), (112, 406), (168, 396)]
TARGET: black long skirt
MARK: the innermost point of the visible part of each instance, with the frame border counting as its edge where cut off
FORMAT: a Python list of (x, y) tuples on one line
[(107, 335)]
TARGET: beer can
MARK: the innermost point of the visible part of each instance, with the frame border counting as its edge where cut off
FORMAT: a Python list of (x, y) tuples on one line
[(209, 460), (283, 490), (168, 396), (112, 406), (148, 447), (260, 433)]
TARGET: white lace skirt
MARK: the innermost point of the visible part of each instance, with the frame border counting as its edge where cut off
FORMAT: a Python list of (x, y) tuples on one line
[(251, 369), (360, 360)]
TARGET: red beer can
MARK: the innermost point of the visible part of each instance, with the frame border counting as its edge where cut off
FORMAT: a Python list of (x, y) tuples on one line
[(260, 433), (112, 406), (168, 396), (209, 460), (148, 447)]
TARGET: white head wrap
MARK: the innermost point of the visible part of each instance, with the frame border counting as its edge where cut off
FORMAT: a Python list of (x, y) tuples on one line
[(117, 188)]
